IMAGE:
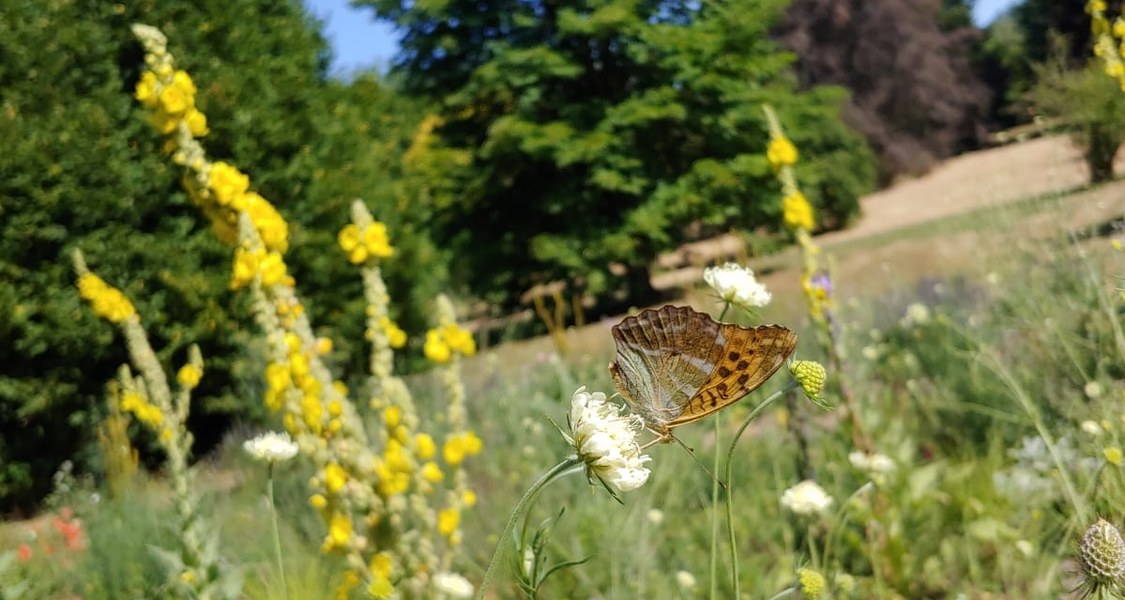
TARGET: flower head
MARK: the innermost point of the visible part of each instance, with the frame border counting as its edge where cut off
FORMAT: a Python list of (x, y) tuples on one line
[(271, 447), (453, 585), (737, 285), (871, 463), (806, 498), (606, 441), (1101, 551), (781, 152), (812, 583), (811, 376), (796, 212)]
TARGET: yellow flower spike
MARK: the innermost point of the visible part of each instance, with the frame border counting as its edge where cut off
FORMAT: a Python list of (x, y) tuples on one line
[(796, 211), (453, 451), (323, 345), (781, 152), (392, 416), (298, 365), (469, 498), (106, 301), (424, 446), (334, 478), (182, 81), (432, 473), (174, 101), (1113, 456), (189, 376), (448, 521), (318, 501)]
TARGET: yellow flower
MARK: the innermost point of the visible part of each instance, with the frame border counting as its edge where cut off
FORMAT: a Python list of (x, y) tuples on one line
[(376, 242), (227, 182), (323, 345), (335, 408), (432, 473), (472, 443), (424, 446), (811, 375), (196, 123), (273, 269), (173, 100), (339, 530), (448, 521), (382, 565), (469, 498), (392, 416), (145, 92), (781, 152), (1113, 455), (380, 588), (796, 212), (189, 376), (459, 340), (396, 337), (318, 501), (454, 451), (435, 348), (245, 267), (334, 478), (277, 376)]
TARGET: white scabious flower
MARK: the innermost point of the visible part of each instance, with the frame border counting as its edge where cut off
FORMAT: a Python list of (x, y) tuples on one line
[(806, 498), (606, 441), (871, 463), (271, 447), (453, 585), (685, 580), (916, 314), (655, 516), (1092, 428), (737, 285)]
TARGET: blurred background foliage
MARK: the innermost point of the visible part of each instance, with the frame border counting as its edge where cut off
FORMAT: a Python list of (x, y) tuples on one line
[(511, 143)]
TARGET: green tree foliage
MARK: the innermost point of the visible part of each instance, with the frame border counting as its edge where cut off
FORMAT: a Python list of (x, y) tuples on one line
[(81, 169), (580, 136)]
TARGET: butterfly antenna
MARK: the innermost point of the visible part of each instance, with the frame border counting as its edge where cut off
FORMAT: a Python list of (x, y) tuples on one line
[(691, 453)]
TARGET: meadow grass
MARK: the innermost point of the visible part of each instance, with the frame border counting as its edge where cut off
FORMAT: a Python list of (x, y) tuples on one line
[(1024, 346)]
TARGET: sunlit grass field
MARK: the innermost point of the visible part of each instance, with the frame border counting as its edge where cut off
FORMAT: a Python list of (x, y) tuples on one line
[(993, 381)]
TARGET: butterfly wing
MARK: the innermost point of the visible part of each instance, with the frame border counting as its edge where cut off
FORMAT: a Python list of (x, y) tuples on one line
[(664, 357), (749, 357)]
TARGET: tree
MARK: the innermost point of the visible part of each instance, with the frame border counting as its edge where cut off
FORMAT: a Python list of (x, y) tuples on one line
[(81, 169), (584, 138), (915, 94)]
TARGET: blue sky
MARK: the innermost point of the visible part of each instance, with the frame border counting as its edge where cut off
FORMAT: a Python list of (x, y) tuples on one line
[(360, 42)]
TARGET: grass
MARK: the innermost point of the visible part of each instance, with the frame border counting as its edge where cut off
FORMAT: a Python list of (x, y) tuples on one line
[(981, 406)]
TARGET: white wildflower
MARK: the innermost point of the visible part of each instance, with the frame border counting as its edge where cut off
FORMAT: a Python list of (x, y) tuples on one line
[(271, 447), (685, 580), (453, 585), (916, 314), (806, 498), (871, 463), (655, 516), (737, 285), (1092, 428), (1093, 390), (606, 441)]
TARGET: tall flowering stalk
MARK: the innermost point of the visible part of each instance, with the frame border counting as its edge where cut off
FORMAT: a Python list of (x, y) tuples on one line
[(816, 280), (374, 502), (196, 570), (1109, 40)]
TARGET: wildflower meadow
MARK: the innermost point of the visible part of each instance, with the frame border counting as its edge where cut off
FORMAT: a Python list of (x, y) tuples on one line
[(450, 372)]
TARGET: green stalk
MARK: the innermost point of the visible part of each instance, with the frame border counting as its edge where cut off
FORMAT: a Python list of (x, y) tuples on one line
[(570, 465), (730, 484), (276, 535), (715, 496)]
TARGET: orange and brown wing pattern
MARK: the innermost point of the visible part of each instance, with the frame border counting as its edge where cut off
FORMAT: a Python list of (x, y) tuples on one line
[(664, 357), (750, 356)]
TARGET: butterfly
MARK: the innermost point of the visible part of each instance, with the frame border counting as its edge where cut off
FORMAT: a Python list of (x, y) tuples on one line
[(675, 365)]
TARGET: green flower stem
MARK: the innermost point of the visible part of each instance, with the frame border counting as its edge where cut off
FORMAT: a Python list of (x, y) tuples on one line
[(730, 485), (276, 535), (572, 464), (715, 496), (840, 522)]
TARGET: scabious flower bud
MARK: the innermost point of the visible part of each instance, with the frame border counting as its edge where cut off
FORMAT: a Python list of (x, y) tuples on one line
[(1101, 552), (811, 376)]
